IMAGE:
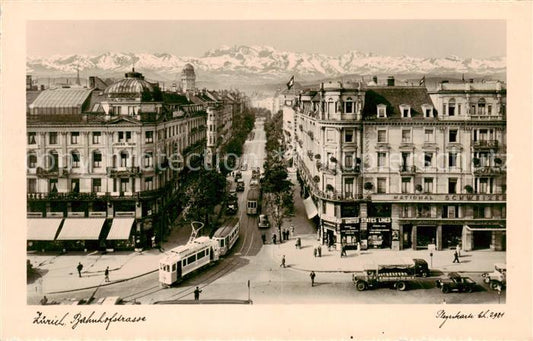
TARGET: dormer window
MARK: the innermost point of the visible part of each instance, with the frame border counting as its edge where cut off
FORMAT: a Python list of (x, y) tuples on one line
[(405, 110), (427, 110), (382, 112)]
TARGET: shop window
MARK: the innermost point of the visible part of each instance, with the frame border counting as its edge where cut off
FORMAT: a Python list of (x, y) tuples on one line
[(32, 185), (379, 210), (349, 210), (97, 185)]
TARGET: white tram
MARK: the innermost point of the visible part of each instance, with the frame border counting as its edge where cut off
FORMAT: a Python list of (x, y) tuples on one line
[(227, 235), (185, 259)]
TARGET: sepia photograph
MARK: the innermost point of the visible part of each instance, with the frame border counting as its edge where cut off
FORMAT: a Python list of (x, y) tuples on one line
[(262, 165)]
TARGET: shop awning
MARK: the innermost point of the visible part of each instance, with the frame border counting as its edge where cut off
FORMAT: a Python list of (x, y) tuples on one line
[(485, 228), (43, 228), (310, 208), (81, 229), (120, 229)]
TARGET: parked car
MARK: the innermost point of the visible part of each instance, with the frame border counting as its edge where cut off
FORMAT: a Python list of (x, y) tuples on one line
[(456, 282), (497, 280), (238, 175), (240, 185), (263, 222), (232, 208)]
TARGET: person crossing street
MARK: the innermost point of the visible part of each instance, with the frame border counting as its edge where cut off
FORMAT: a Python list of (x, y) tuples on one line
[(282, 265), (312, 275)]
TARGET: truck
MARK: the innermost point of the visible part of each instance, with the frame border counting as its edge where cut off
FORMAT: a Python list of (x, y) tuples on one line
[(497, 280), (396, 275)]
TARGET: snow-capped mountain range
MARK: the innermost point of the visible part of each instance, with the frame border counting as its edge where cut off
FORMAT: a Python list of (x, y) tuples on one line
[(261, 63)]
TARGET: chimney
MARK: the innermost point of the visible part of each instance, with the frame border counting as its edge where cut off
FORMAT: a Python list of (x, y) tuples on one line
[(390, 81), (375, 79)]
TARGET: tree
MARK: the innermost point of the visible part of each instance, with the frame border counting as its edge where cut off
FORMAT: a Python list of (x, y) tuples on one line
[(202, 192)]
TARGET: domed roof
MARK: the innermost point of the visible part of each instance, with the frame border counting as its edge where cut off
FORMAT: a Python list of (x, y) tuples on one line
[(188, 70), (133, 84)]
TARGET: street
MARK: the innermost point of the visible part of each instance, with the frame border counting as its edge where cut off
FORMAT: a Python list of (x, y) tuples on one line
[(260, 264)]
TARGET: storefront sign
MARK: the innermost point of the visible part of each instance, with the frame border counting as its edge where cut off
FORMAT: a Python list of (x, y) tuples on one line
[(376, 220), (328, 224), (351, 220), (438, 197)]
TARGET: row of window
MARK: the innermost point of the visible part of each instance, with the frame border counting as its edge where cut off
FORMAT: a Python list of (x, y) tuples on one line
[(429, 135), (480, 108), (122, 185), (480, 159), (96, 137)]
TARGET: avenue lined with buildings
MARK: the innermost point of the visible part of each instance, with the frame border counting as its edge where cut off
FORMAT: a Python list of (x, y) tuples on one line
[(379, 172)]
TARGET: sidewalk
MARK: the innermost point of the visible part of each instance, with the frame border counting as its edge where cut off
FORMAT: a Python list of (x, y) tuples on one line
[(58, 272), (303, 259)]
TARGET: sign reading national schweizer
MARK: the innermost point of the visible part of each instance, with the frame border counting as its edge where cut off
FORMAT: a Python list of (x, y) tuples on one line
[(440, 197)]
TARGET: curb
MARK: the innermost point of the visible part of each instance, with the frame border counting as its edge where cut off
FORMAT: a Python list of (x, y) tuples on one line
[(101, 285)]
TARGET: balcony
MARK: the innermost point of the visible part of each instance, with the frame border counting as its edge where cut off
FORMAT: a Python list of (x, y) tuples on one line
[(486, 144), (407, 170), (351, 169), (52, 173), (62, 196), (328, 169), (488, 171), (120, 172)]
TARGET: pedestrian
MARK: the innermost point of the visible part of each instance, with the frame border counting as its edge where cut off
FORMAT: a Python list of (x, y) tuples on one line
[(312, 275), (273, 238), (197, 292), (106, 274), (263, 238), (298, 243), (282, 265), (456, 257), (292, 230), (44, 300), (315, 251), (286, 234), (79, 267), (458, 250), (343, 250), (319, 251)]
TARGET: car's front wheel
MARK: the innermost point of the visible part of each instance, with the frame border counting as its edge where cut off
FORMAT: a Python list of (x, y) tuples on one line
[(468, 289), (486, 279), (361, 286), (445, 289)]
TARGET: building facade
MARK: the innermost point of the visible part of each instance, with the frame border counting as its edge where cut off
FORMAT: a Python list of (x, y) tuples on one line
[(112, 153), (388, 166)]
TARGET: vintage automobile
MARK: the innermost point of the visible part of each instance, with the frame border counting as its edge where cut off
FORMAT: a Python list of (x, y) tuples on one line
[(240, 185), (497, 280), (456, 282), (263, 222), (238, 175)]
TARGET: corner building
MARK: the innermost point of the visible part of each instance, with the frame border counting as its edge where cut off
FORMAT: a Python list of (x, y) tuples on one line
[(412, 169)]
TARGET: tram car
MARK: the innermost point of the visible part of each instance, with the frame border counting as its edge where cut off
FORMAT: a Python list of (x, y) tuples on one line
[(227, 235), (187, 258), (253, 201)]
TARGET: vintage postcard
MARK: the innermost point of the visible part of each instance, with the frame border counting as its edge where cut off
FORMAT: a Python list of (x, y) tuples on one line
[(274, 170)]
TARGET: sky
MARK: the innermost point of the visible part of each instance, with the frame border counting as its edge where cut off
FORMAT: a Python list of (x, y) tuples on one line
[(417, 38)]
